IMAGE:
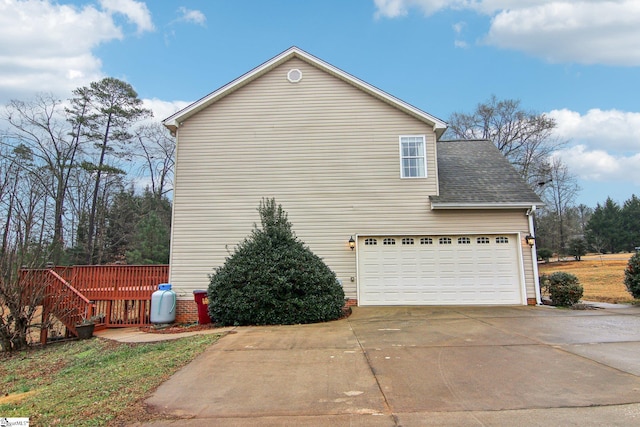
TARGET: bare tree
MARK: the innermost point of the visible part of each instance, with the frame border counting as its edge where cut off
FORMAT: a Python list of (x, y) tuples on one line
[(24, 209), (156, 149), (559, 197), (524, 137), (54, 141)]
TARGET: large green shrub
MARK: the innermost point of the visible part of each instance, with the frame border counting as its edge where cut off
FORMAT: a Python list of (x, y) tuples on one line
[(564, 288), (632, 275), (273, 278)]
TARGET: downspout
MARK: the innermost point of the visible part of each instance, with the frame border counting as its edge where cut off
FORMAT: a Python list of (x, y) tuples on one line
[(534, 257)]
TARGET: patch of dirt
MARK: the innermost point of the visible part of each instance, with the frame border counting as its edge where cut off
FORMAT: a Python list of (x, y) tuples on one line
[(16, 397)]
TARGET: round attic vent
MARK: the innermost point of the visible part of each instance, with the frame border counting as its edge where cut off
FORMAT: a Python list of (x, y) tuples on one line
[(294, 75)]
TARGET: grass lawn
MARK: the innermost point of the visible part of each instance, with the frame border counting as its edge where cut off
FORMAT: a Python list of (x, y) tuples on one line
[(94, 382), (602, 276)]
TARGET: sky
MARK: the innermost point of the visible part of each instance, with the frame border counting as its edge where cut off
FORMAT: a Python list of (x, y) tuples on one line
[(575, 61)]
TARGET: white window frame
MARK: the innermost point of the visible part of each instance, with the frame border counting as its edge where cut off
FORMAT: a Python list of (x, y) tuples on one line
[(422, 159)]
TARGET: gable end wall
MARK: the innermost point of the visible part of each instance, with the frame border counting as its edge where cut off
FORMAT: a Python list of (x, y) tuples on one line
[(328, 152)]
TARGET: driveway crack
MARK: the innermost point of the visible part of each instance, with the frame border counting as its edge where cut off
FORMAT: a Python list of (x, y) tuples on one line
[(387, 405)]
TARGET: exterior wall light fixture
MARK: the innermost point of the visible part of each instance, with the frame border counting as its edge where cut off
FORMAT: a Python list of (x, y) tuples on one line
[(352, 243), (530, 240)]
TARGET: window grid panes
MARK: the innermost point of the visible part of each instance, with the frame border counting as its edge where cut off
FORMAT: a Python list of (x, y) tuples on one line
[(389, 241), (407, 241), (483, 240), (464, 241), (413, 158), (502, 239), (426, 241), (444, 240), (370, 241)]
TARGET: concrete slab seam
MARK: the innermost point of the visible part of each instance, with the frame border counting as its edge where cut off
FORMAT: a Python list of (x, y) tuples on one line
[(388, 409)]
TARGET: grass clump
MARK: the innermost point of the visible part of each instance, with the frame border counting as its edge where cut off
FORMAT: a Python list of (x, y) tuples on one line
[(90, 382)]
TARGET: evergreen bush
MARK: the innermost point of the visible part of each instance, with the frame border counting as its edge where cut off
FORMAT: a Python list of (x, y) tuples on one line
[(544, 254), (564, 288), (577, 248), (632, 275), (273, 278)]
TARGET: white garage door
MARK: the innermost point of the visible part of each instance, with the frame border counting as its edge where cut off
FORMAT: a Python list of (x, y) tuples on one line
[(439, 270)]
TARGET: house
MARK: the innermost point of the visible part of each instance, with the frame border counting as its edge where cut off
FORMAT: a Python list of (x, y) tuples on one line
[(432, 222)]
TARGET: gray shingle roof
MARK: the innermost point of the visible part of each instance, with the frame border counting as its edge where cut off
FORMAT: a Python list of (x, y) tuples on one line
[(475, 174)]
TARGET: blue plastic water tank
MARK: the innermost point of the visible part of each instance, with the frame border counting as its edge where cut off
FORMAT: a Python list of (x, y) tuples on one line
[(163, 304)]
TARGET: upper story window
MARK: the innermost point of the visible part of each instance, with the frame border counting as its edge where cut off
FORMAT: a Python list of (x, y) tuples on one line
[(413, 158)]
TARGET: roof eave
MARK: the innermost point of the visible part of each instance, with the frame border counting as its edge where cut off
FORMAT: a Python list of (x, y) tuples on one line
[(507, 205)]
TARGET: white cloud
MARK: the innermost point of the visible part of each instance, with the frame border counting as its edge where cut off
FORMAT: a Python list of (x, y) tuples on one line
[(396, 8), (163, 109), (391, 8), (604, 144), (601, 32), (46, 46), (135, 11), (584, 31), (191, 16), (458, 29), (600, 165), (614, 129)]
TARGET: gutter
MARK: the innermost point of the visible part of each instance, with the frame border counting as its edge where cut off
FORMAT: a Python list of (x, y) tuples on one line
[(534, 257), (454, 205)]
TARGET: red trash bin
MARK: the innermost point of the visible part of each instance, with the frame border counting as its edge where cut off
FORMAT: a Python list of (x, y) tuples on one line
[(202, 301)]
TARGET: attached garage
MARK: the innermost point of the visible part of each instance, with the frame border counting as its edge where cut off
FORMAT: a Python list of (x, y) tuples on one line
[(440, 270)]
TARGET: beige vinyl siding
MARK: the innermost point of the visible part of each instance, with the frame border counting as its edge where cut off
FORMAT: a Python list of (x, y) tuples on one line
[(328, 152)]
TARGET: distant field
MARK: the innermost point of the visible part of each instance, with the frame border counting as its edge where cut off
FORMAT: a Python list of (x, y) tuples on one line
[(602, 276)]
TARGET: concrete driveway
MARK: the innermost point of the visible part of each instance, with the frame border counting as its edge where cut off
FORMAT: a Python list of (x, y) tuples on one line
[(391, 366)]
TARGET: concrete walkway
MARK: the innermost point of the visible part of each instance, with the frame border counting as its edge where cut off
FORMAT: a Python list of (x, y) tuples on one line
[(391, 366)]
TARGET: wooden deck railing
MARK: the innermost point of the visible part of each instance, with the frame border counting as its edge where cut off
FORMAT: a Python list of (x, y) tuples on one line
[(119, 282), (118, 294), (58, 298)]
